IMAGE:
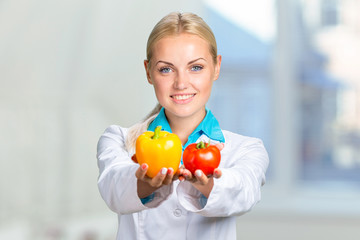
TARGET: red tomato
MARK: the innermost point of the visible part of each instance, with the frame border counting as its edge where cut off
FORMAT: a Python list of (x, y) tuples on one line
[(201, 156)]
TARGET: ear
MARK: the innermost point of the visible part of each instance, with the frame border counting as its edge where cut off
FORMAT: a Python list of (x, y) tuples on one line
[(147, 70), (217, 67)]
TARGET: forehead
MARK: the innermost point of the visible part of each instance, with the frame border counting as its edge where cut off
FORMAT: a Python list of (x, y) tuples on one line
[(184, 44)]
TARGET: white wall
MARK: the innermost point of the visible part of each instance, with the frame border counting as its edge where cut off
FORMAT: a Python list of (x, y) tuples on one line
[(68, 69)]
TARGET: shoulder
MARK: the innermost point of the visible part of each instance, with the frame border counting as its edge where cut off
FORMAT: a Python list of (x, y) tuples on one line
[(238, 139), (249, 150), (234, 141), (113, 134), (115, 130)]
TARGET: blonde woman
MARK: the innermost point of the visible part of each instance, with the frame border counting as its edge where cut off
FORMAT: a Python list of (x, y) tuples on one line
[(182, 64)]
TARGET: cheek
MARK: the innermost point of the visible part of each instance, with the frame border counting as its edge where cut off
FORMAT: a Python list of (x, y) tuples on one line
[(160, 87), (208, 88), (205, 85)]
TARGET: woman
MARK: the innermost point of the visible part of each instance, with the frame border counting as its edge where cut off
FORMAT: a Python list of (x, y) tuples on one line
[(182, 64)]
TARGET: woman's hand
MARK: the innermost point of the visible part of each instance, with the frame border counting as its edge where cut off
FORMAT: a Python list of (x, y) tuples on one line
[(200, 181), (146, 185)]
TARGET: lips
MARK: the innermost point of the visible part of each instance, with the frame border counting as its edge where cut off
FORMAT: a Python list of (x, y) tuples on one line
[(183, 98)]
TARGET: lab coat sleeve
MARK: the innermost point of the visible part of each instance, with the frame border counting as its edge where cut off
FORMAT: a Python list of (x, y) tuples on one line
[(117, 182), (243, 167)]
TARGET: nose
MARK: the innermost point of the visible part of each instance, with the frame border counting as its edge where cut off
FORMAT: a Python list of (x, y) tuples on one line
[(181, 81)]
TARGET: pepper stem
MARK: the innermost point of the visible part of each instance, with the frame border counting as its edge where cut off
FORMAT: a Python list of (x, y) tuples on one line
[(156, 133)]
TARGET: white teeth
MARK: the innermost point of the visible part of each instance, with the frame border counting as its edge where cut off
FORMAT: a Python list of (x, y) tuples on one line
[(183, 97)]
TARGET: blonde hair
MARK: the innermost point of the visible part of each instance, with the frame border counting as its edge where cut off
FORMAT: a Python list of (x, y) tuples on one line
[(172, 24)]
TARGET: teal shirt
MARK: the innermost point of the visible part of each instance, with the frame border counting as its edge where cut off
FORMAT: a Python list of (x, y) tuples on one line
[(208, 126)]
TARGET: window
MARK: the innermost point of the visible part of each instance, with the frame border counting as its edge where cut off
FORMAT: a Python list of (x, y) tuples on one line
[(330, 97), (329, 12), (295, 87), (242, 96)]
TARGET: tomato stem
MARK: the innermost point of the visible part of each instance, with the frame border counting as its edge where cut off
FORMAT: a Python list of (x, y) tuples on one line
[(201, 145), (156, 133)]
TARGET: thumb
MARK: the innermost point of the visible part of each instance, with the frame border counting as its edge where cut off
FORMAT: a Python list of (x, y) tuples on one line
[(220, 146)]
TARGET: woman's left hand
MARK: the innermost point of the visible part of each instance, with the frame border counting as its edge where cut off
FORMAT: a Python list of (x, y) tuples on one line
[(199, 180)]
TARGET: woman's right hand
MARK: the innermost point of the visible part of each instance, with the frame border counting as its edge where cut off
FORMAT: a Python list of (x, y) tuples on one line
[(146, 185)]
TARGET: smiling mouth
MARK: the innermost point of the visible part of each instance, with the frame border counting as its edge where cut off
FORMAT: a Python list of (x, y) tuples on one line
[(183, 97)]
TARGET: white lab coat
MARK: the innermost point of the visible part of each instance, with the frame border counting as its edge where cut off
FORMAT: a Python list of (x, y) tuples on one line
[(176, 212)]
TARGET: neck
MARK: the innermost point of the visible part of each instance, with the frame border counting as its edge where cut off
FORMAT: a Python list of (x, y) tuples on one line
[(184, 126)]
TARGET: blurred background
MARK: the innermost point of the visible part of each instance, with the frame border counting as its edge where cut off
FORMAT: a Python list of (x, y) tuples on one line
[(290, 76)]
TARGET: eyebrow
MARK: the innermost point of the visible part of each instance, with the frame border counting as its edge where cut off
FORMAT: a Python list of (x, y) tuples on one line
[(191, 62)]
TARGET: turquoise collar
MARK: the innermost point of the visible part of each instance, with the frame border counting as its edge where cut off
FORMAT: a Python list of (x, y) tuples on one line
[(208, 126)]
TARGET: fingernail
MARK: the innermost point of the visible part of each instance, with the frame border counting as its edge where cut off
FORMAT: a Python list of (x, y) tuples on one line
[(143, 166), (170, 171), (163, 171), (198, 173)]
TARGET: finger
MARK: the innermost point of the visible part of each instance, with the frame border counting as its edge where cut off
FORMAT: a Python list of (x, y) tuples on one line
[(187, 175), (169, 176), (179, 172), (141, 171), (176, 174), (159, 178), (201, 177), (220, 146), (217, 173), (181, 178)]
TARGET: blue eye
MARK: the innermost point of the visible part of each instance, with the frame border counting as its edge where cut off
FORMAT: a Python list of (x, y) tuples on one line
[(165, 70), (196, 68)]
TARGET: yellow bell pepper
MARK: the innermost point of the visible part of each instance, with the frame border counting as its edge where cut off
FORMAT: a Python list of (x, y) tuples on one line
[(158, 149)]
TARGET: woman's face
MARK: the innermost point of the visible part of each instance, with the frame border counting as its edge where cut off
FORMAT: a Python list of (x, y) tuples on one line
[(182, 72)]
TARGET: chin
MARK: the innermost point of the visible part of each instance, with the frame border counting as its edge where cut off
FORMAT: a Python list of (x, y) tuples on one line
[(183, 111)]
